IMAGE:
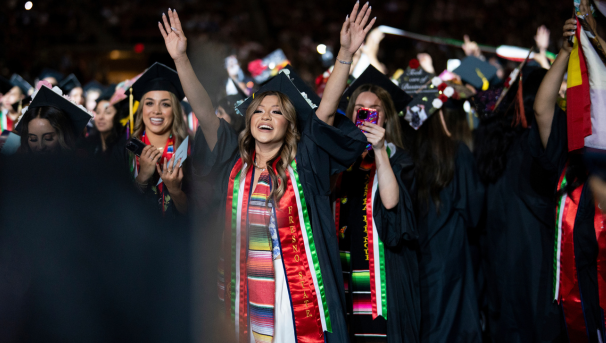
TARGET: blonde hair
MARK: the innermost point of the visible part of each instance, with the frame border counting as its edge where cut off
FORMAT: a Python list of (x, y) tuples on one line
[(287, 151), (179, 127), (393, 132)]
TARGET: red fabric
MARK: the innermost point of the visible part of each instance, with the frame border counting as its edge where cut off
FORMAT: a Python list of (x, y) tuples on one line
[(579, 105), (10, 124), (569, 283), (414, 63), (308, 324)]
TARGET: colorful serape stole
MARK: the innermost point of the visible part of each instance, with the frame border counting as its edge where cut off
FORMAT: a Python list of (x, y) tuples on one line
[(261, 280)]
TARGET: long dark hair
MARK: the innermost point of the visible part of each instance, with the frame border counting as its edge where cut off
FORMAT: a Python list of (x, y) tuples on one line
[(63, 126), (434, 155), (116, 131)]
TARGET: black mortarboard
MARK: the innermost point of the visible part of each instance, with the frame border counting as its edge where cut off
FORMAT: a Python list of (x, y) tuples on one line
[(93, 85), (158, 78), (372, 76), (476, 72), (106, 93), (69, 83), (20, 82), (5, 85), (430, 99), (284, 83), (47, 72), (78, 115)]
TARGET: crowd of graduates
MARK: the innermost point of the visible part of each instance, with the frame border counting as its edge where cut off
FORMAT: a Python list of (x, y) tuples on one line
[(463, 205)]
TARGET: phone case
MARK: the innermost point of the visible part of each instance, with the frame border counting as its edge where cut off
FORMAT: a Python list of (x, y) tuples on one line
[(367, 115), (135, 146)]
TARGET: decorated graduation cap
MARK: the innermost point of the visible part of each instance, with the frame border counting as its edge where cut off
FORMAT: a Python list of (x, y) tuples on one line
[(45, 96), (263, 69), (285, 82), (428, 100), (476, 72), (69, 83), (20, 82), (414, 79), (158, 77), (372, 76)]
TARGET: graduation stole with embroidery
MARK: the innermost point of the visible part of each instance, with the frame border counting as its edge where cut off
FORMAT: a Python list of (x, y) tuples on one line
[(376, 249), (299, 257), (565, 280)]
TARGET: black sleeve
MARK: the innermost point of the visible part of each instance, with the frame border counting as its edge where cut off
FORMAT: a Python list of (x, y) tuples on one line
[(398, 224), (325, 150), (553, 157), (470, 192), (207, 163)]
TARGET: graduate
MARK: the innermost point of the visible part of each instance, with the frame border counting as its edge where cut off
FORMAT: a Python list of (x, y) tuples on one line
[(269, 192), (51, 123), (517, 236), (108, 131), (375, 220), (579, 287), (13, 93), (160, 124), (448, 199), (73, 88)]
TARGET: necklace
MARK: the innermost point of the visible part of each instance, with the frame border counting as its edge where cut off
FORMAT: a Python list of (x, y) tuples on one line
[(255, 163)]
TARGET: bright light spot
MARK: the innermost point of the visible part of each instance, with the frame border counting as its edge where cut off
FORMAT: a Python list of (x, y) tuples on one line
[(321, 49), (114, 55), (29, 5), (272, 65)]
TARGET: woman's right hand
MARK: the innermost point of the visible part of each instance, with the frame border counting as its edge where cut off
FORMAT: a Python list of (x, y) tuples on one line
[(147, 163), (174, 38), (570, 27)]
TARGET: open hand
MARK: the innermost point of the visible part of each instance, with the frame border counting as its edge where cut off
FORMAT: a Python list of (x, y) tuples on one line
[(147, 162), (542, 38), (570, 28), (470, 48), (355, 29), (171, 174), (375, 135), (174, 38)]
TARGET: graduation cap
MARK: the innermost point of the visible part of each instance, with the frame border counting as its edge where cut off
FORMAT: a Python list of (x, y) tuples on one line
[(430, 100), (158, 77), (69, 83), (20, 82), (476, 72), (47, 72), (93, 85), (414, 80), (106, 94), (263, 69), (284, 83), (45, 96), (5, 85), (372, 76)]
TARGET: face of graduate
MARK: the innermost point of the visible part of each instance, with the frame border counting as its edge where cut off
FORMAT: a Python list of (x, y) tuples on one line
[(77, 95), (267, 124), (157, 112), (51, 80), (91, 99), (372, 101), (11, 97), (220, 112), (42, 137), (104, 120)]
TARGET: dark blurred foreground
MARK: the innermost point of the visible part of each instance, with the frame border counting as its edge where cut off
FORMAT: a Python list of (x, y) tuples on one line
[(83, 260)]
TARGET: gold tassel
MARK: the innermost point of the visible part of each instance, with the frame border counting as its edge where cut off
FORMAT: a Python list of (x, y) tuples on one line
[(130, 111)]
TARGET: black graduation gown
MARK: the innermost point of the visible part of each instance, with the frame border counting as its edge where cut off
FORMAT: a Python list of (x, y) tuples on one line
[(449, 302), (397, 231), (323, 150), (517, 250), (553, 160)]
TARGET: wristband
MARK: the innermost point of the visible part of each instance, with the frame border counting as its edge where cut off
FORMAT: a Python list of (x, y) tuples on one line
[(344, 62)]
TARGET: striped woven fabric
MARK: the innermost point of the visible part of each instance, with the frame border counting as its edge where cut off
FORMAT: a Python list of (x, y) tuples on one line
[(261, 282)]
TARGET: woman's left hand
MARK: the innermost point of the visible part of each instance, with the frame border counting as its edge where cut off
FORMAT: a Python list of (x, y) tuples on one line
[(171, 174), (355, 29), (374, 134)]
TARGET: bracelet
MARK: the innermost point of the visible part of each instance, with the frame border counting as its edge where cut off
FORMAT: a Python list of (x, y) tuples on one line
[(344, 62)]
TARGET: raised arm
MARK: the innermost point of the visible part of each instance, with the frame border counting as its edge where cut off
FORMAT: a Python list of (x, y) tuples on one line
[(547, 95), (353, 33), (201, 104)]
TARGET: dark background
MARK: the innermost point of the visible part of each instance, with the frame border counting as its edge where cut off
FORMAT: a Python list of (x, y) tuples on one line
[(96, 39)]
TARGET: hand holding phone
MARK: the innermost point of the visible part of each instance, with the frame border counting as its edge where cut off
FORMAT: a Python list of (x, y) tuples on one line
[(367, 115)]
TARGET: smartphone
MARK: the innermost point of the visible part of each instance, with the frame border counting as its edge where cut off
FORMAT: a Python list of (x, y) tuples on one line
[(135, 146), (367, 115)]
